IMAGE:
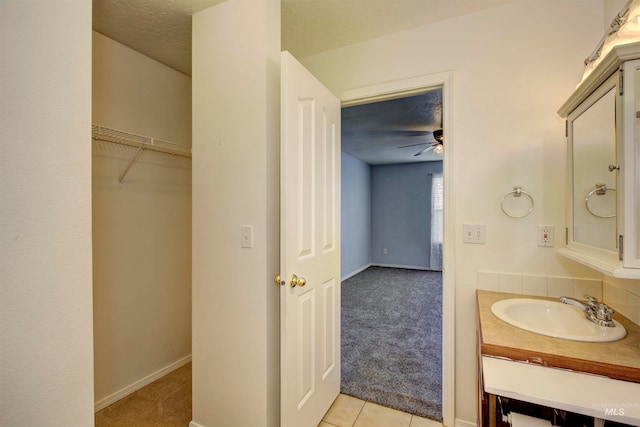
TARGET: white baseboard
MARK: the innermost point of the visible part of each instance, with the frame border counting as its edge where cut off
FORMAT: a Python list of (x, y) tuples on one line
[(353, 273), (112, 398), (194, 424), (464, 423)]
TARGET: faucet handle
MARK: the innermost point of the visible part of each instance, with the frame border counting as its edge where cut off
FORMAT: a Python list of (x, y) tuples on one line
[(593, 302), (604, 312)]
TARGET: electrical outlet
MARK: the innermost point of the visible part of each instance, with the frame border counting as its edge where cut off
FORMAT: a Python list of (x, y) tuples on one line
[(545, 235), (474, 234)]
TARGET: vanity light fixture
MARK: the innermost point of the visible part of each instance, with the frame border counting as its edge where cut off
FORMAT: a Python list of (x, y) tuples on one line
[(631, 29), (624, 29)]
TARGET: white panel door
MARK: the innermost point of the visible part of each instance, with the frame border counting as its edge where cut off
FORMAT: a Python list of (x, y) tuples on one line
[(310, 246)]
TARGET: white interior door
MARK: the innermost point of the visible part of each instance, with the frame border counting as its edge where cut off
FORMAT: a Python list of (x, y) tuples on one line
[(310, 246)]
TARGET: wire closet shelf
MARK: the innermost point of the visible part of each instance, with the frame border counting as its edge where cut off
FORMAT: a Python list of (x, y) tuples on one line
[(102, 133)]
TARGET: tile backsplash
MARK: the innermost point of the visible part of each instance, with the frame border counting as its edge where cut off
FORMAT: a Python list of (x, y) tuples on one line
[(539, 285), (622, 295)]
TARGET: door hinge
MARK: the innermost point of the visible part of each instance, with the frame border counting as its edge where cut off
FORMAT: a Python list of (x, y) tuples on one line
[(621, 81), (566, 236), (566, 128), (621, 247)]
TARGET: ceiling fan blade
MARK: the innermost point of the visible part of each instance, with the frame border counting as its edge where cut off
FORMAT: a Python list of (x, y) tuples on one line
[(413, 145), (426, 150), (394, 133)]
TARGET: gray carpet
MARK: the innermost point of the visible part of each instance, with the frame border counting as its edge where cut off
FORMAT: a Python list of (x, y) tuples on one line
[(392, 338)]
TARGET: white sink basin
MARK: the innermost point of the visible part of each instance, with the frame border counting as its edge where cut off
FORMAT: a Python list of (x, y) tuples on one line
[(555, 319)]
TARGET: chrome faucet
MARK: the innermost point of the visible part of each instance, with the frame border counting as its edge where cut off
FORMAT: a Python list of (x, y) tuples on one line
[(599, 313)]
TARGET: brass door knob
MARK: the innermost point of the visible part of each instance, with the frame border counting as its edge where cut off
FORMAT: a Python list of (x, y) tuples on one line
[(297, 281), (278, 280)]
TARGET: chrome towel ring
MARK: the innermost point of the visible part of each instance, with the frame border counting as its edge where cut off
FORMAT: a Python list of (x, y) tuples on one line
[(600, 190), (517, 192)]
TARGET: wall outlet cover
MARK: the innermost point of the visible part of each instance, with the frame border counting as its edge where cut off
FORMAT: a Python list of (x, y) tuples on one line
[(545, 235)]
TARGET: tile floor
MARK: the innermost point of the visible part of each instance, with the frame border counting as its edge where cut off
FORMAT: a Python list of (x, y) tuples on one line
[(348, 411)]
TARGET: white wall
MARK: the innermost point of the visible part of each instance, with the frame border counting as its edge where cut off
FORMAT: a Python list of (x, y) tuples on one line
[(236, 123), (142, 226), (513, 67), (137, 94), (46, 360)]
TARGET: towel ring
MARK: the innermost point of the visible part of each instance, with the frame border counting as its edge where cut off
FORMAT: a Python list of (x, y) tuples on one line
[(600, 190), (517, 192)]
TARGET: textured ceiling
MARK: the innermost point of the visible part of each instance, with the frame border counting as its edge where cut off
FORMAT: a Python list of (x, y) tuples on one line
[(313, 26), (393, 131), (161, 29)]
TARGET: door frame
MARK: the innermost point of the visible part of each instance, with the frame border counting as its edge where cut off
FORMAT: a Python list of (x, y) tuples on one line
[(401, 89)]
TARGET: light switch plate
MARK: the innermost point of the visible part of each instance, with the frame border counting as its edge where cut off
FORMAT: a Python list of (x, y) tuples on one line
[(246, 236), (474, 234)]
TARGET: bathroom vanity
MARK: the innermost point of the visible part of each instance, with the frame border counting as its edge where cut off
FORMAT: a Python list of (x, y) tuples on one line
[(598, 380)]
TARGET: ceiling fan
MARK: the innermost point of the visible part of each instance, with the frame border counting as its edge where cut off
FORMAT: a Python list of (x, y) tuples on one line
[(436, 146)]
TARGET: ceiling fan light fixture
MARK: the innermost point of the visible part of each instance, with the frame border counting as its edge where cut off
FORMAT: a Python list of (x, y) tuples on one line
[(436, 147), (438, 135)]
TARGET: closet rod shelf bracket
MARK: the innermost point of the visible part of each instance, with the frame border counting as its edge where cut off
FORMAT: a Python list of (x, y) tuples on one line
[(135, 158)]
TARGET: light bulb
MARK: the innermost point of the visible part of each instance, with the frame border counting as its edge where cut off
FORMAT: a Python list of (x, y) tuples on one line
[(630, 31)]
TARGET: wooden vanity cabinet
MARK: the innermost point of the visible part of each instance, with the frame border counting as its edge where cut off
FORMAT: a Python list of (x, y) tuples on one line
[(516, 364)]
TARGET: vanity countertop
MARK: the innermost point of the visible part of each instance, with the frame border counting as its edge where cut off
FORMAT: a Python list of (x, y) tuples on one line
[(617, 359)]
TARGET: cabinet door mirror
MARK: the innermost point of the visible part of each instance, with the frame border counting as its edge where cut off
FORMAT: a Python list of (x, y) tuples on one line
[(630, 166), (634, 178), (593, 141)]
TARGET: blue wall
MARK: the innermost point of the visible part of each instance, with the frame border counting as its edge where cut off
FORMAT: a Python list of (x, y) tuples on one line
[(356, 215), (401, 213), (385, 207)]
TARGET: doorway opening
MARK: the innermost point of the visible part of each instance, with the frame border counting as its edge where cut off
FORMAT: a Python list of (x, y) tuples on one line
[(388, 142)]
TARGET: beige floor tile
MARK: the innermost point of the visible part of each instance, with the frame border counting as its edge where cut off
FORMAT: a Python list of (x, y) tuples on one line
[(344, 411), (373, 415), (423, 422)]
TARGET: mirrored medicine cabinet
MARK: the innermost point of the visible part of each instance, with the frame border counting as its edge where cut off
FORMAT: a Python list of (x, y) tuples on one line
[(603, 182)]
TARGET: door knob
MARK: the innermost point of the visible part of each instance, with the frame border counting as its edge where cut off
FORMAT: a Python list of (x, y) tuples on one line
[(278, 280), (297, 281)]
